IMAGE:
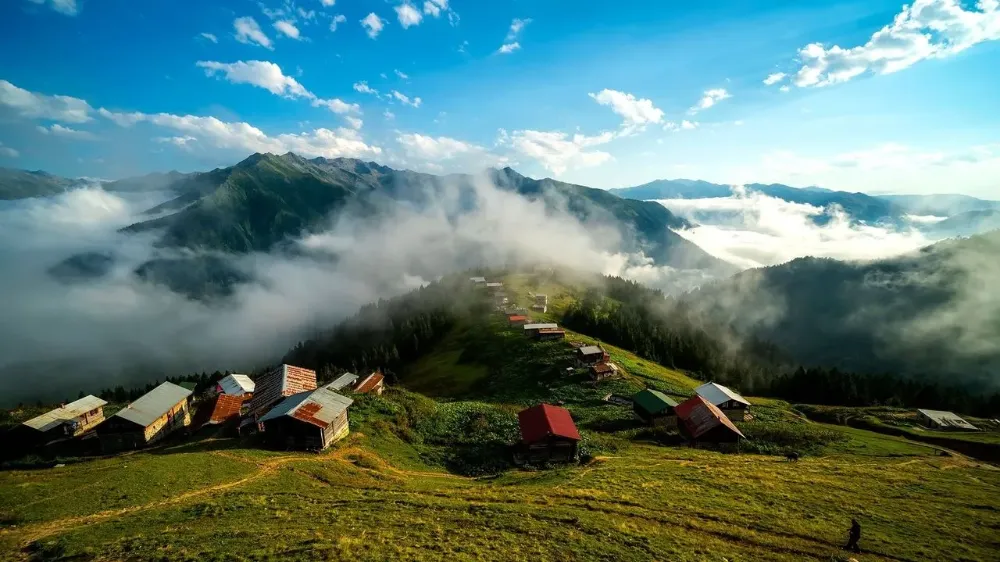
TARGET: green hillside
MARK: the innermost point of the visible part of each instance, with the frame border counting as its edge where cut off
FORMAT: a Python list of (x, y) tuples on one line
[(426, 475), (19, 184)]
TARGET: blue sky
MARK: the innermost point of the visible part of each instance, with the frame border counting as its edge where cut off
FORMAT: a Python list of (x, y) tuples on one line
[(863, 96)]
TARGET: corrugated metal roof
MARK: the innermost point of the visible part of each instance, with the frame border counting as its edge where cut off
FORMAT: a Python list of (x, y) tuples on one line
[(529, 327), (718, 394), (590, 350), (343, 381), (497, 284), (700, 416), (477, 279), (318, 407), (370, 383), (236, 384), (654, 401), (154, 404), (517, 318), (227, 406), (70, 411), (947, 419), (543, 420)]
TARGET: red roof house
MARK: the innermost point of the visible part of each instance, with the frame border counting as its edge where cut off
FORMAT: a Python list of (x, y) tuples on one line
[(701, 421), (279, 383), (517, 319), (548, 434), (373, 383)]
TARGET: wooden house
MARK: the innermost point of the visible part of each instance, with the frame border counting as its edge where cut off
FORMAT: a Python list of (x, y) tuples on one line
[(936, 419), (701, 422), (372, 384), (494, 287), (152, 417), (549, 334), (235, 385), (531, 330), (655, 408), (517, 319), (220, 410), (591, 355), (603, 371), (478, 281), (548, 434), (343, 381), (541, 304), (68, 420), (278, 383), (732, 404), (310, 420)]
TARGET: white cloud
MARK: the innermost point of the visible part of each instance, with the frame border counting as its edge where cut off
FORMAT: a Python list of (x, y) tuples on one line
[(684, 125), (245, 137), (354, 122), (516, 27), (408, 15), (364, 88), (785, 89), (336, 20), (434, 7), (262, 74), (774, 78), (247, 31), (8, 151), (401, 75), (373, 25), (66, 132), (635, 112), (40, 106), (210, 37), (307, 15), (711, 97), (337, 106), (180, 142), (122, 119), (288, 29), (388, 115), (405, 100), (65, 7), (923, 30), (430, 148), (508, 48), (328, 3), (557, 151)]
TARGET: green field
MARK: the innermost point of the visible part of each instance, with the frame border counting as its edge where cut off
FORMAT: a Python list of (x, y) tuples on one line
[(426, 474)]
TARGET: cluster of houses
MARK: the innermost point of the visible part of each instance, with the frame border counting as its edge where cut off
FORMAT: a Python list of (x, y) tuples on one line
[(285, 404)]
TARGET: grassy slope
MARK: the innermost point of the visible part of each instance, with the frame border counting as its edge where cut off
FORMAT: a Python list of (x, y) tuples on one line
[(384, 492)]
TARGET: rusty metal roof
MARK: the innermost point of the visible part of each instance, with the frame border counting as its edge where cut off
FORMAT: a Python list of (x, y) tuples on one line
[(280, 382), (70, 411), (154, 404), (700, 416), (317, 407), (236, 384), (227, 406), (370, 383)]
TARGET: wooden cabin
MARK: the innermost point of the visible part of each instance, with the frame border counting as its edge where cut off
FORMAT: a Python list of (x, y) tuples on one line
[(703, 423), (548, 434), (310, 420), (478, 281), (278, 383), (591, 355), (655, 408), (235, 385), (549, 334), (342, 382), (68, 420), (732, 404), (152, 417), (372, 384), (936, 419), (517, 319), (531, 330), (223, 409), (603, 371), (541, 304)]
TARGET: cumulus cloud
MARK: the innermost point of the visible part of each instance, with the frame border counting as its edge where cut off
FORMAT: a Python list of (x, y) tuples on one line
[(408, 15), (510, 42), (58, 130), (180, 142), (65, 7), (262, 74), (364, 88), (710, 98), (636, 113), (337, 106), (557, 151), (249, 32), (354, 122), (774, 78), (750, 229), (8, 151), (40, 106), (373, 25), (508, 48), (337, 20), (429, 153), (684, 125), (288, 29), (923, 30), (405, 100)]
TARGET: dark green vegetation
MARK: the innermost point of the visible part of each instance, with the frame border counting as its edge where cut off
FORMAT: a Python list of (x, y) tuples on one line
[(81, 267), (19, 184), (932, 315)]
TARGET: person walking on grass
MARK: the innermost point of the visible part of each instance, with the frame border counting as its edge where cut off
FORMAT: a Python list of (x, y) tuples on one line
[(854, 537)]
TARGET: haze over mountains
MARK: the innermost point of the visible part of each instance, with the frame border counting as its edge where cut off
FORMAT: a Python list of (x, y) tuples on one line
[(138, 278)]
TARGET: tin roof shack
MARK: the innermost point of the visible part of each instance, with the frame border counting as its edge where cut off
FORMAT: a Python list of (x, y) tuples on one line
[(701, 422), (655, 408), (517, 319), (732, 404), (280, 382), (478, 281), (372, 384), (149, 419), (343, 381), (603, 371), (935, 419), (495, 286), (591, 355), (70, 420), (531, 330), (541, 304), (549, 334), (309, 420), (220, 410), (235, 385), (548, 434)]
